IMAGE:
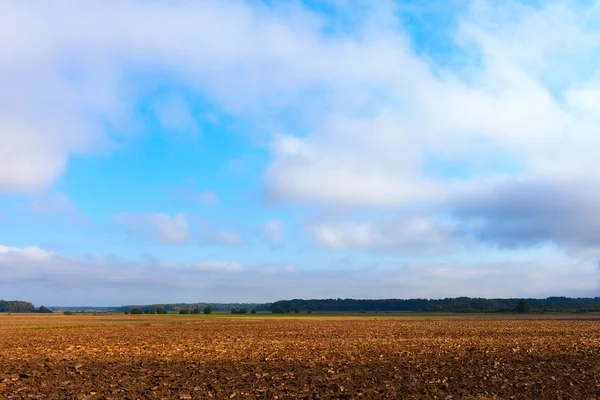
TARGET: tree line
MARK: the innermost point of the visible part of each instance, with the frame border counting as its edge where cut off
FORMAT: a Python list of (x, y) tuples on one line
[(177, 307), (19, 306), (16, 306), (457, 304)]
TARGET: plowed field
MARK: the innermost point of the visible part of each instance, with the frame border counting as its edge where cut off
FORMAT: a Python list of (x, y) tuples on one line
[(102, 357)]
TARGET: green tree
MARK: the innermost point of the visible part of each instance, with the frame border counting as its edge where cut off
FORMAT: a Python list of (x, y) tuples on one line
[(16, 306), (277, 310), (196, 310), (136, 311), (207, 310), (44, 310), (161, 310), (184, 311), (522, 307), (253, 311)]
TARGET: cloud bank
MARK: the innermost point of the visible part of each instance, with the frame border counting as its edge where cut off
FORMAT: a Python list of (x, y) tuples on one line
[(385, 144), (114, 281)]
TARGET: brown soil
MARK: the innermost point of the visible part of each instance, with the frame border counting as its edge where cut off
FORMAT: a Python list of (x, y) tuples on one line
[(63, 357)]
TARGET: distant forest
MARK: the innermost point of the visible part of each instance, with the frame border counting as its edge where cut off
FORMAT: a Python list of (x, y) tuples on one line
[(16, 306), (190, 306), (458, 304)]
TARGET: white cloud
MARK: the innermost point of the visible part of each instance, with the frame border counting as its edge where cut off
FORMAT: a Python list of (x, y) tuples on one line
[(371, 111), (273, 269), (506, 99), (66, 77), (585, 98), (537, 278), (329, 170), (25, 254), (162, 228), (43, 277), (220, 266), (413, 236), (381, 106), (35, 274)]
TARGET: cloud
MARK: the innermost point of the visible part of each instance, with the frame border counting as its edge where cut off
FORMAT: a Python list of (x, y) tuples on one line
[(23, 254), (413, 236), (55, 204), (35, 274), (585, 98), (175, 116), (220, 266), (176, 229), (208, 197), (504, 99), (274, 269), (373, 120), (237, 166), (274, 232), (221, 238), (538, 278), (67, 80), (372, 111), (533, 212), (209, 236), (160, 228), (508, 213), (317, 171), (43, 277)]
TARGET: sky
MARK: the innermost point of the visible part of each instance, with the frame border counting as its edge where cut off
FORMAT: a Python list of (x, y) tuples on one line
[(166, 151)]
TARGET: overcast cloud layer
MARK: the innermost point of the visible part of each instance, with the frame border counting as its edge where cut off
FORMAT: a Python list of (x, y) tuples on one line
[(455, 158)]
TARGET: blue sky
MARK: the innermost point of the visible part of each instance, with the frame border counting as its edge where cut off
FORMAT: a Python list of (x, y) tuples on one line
[(183, 151)]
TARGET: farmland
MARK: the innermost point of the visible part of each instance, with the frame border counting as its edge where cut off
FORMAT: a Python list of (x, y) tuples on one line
[(117, 356)]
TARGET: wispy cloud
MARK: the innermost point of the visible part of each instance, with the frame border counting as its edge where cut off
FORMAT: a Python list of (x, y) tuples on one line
[(175, 116), (211, 236), (177, 229), (274, 232), (50, 205), (220, 266), (162, 228), (114, 280), (207, 197)]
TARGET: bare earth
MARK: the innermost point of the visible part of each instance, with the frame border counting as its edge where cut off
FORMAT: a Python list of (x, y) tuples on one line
[(176, 357)]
